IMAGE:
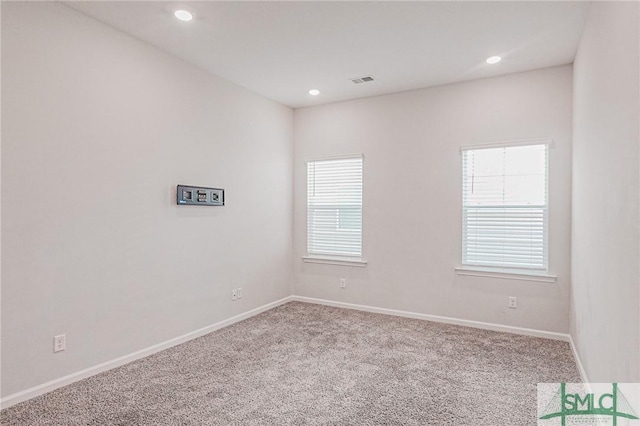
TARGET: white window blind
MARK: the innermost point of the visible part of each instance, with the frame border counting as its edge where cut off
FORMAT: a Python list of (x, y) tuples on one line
[(334, 207), (504, 207)]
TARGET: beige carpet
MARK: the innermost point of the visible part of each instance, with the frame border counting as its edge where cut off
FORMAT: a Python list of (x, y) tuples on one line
[(309, 364)]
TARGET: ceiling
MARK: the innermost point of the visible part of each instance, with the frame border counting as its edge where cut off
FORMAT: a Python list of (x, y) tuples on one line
[(281, 50)]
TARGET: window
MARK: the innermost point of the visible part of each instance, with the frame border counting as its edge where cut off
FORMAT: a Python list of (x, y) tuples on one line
[(505, 207), (334, 207)]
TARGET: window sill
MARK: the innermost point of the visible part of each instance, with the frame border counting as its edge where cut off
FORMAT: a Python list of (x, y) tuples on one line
[(340, 261), (512, 274)]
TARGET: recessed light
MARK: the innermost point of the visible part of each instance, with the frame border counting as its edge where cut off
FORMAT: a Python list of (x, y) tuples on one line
[(494, 60), (314, 92), (183, 15)]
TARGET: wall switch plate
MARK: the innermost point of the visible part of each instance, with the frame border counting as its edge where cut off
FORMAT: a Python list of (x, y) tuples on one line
[(234, 294), (240, 293), (199, 196), (343, 283), (513, 302), (59, 343)]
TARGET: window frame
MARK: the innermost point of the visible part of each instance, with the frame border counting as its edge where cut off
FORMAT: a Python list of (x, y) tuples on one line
[(335, 258), (501, 270)]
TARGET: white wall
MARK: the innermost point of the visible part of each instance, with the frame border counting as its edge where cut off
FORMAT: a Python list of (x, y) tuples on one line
[(98, 128), (605, 308), (412, 195)]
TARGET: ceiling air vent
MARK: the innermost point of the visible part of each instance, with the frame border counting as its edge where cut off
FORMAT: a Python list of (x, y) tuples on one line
[(359, 80)]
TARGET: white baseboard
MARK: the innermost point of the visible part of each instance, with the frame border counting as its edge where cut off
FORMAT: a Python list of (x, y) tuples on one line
[(576, 355), (91, 371), (436, 318)]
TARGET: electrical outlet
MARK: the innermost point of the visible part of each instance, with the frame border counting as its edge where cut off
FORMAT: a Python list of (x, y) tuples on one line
[(234, 294), (343, 283), (240, 293), (513, 302), (59, 343)]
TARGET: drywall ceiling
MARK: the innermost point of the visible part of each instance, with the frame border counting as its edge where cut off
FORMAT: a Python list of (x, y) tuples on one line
[(282, 49)]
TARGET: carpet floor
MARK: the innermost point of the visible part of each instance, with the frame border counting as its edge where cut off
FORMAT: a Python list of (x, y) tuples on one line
[(306, 364)]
